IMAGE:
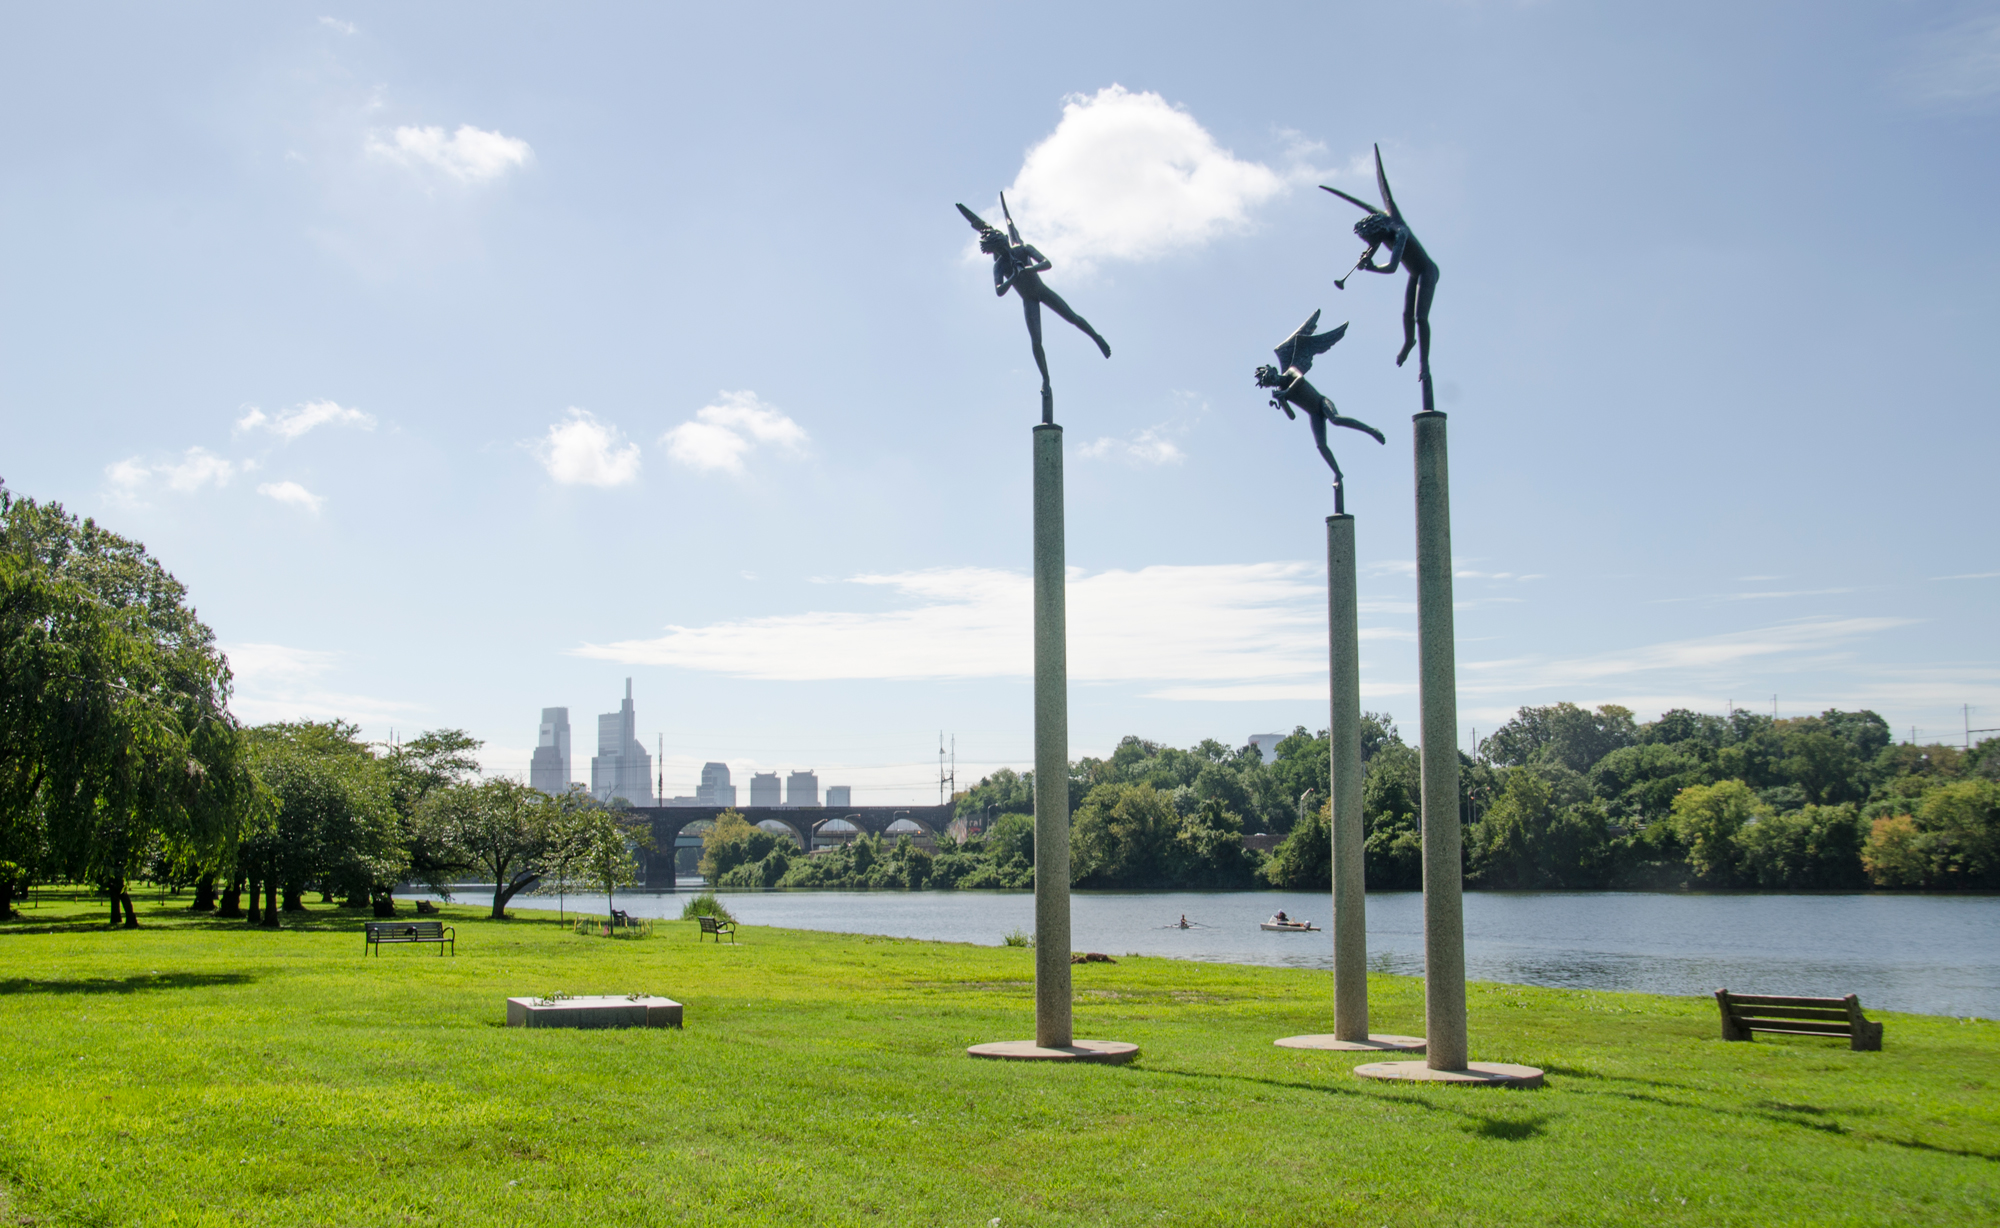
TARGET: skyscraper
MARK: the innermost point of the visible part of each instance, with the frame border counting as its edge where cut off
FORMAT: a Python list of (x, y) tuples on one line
[(838, 795), (802, 789), (715, 788), (621, 767), (764, 789), (549, 770)]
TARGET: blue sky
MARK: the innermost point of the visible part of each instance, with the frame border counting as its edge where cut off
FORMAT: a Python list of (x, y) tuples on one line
[(466, 360)]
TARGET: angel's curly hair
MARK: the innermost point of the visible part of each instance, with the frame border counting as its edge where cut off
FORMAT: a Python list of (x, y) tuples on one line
[(1376, 228), (992, 242)]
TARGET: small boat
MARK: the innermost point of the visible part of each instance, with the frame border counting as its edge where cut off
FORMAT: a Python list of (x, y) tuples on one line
[(1291, 927)]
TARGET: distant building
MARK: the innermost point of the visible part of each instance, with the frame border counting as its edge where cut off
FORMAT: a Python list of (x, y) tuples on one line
[(715, 788), (1268, 744), (549, 769), (683, 800), (802, 789), (764, 789), (839, 795), (621, 767)]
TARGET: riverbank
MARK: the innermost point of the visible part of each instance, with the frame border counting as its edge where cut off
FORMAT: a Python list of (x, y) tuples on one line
[(199, 1072)]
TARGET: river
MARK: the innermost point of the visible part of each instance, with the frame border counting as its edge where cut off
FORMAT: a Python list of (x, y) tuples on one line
[(1936, 955)]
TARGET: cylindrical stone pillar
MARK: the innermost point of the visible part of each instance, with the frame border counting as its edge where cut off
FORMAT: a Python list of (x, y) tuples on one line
[(1444, 920), (1052, 983), (1350, 907)]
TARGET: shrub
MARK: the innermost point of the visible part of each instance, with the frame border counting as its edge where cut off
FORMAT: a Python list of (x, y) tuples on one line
[(706, 905)]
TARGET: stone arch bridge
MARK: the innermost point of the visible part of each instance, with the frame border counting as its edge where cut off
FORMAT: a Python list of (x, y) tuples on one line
[(657, 863)]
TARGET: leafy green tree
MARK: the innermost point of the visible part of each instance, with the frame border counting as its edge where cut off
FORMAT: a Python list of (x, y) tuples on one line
[(1529, 840), (1638, 783), (335, 828), (1817, 847), (1304, 861), (1121, 837), (1561, 733), (505, 830), (115, 735), (1708, 818)]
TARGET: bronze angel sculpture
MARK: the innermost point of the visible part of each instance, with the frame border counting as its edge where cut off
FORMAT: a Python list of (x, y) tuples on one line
[(1290, 388)]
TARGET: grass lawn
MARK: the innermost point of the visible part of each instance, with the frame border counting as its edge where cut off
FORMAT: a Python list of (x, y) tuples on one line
[(197, 1072)]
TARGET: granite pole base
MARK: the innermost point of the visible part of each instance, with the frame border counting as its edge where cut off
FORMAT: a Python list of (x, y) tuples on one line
[(1350, 901), (1437, 674), (1052, 938)]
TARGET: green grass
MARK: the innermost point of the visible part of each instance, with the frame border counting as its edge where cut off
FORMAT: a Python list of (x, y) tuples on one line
[(195, 1072)]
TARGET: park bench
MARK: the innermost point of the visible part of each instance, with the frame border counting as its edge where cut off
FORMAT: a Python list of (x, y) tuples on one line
[(620, 917), (379, 932), (1743, 1014), (716, 926)]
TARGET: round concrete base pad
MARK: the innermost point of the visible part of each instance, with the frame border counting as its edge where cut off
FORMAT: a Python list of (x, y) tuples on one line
[(1376, 1042), (1475, 1074), (1106, 1052)]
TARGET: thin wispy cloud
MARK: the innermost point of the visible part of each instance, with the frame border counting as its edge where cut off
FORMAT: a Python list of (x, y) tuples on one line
[(469, 155), (1215, 623), (581, 451), (289, 424), (720, 436), (1956, 66), (292, 494), (1970, 575), (1129, 176), (337, 25), (276, 682)]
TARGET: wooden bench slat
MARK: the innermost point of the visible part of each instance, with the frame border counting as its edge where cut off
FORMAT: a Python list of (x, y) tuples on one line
[(1749, 999), (1786, 1012)]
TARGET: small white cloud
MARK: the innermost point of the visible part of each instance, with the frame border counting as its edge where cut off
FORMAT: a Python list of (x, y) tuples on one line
[(197, 468), (337, 25), (721, 435), (128, 476), (470, 155), (292, 493), (296, 421), (1148, 447), (581, 451), (1129, 176)]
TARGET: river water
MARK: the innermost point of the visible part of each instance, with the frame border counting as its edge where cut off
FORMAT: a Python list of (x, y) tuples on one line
[(1937, 955)]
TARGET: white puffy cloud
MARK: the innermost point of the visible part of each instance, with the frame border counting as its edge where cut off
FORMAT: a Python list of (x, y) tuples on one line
[(469, 155), (337, 25), (292, 493), (275, 682), (1129, 176), (1148, 447), (196, 468), (291, 423), (721, 435), (581, 451)]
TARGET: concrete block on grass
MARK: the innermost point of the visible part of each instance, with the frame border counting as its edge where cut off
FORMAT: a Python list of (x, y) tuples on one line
[(594, 1011)]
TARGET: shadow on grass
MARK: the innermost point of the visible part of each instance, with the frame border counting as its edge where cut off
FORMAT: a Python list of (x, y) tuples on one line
[(1509, 1129), (125, 984)]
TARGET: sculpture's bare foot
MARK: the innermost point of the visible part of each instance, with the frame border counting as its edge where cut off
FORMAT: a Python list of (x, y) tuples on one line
[(1404, 353), (1104, 345)]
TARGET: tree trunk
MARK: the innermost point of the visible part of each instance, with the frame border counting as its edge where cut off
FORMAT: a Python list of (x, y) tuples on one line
[(384, 902), (114, 889), (232, 899), (270, 903), (253, 914), (204, 894), (357, 897), (6, 899), (295, 900), (131, 917)]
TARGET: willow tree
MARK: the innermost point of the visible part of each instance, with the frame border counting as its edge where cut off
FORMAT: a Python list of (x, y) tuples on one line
[(115, 733)]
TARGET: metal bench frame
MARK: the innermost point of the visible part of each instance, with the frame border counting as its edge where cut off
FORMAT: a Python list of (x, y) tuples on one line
[(1744, 1014), (716, 926), (377, 933)]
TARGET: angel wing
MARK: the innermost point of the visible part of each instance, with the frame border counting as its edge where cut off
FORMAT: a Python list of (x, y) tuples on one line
[(1356, 201), (978, 223), (1382, 182), (1303, 346)]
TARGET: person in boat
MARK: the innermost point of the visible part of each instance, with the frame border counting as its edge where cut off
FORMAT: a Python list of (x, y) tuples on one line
[(1184, 921), (1281, 918)]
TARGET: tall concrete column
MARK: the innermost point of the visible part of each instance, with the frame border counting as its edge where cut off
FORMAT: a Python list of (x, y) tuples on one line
[(1350, 901), (1444, 919), (1052, 941)]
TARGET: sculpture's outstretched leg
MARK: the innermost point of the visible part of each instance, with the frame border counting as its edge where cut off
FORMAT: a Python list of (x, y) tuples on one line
[(1062, 309)]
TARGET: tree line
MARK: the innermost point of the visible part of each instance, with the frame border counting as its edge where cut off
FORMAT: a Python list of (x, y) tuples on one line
[(120, 762), (1559, 798)]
